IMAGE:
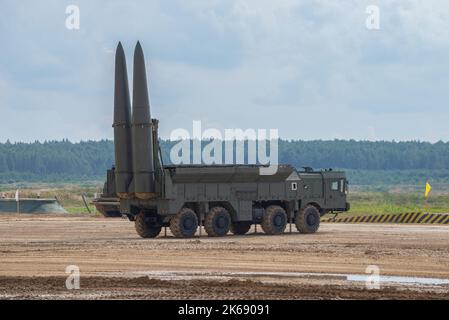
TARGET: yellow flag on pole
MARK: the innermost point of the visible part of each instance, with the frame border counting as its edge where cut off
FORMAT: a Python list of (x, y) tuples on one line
[(428, 188)]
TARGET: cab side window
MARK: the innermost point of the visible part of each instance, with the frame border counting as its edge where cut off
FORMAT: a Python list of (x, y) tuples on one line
[(334, 186)]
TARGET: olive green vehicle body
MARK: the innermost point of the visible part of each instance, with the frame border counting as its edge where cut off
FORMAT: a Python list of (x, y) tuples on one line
[(238, 188)]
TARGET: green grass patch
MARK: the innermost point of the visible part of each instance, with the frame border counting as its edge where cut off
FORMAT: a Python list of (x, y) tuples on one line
[(80, 209), (394, 201)]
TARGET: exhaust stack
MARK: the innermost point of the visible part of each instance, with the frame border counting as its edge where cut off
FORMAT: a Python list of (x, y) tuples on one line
[(122, 127), (142, 135)]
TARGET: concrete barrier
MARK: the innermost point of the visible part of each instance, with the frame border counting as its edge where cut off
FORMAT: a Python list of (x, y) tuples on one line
[(31, 206)]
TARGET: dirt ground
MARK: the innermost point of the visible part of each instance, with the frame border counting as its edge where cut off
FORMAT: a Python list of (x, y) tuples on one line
[(115, 263)]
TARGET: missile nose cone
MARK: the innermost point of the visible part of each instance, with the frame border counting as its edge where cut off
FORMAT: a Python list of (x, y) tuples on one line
[(139, 56), (122, 99), (120, 61), (119, 52), (141, 103)]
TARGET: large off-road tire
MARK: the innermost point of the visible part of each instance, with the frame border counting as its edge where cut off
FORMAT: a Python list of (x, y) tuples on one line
[(145, 229), (240, 228), (274, 220), (308, 220), (217, 222), (184, 224)]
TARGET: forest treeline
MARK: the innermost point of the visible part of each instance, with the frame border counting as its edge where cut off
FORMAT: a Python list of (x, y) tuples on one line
[(60, 160)]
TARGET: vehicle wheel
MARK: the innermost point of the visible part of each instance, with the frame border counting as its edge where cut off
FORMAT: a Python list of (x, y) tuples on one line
[(145, 229), (308, 220), (240, 228), (274, 220), (184, 224), (217, 222)]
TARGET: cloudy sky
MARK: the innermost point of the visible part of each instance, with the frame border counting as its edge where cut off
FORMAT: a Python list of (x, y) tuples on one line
[(308, 68)]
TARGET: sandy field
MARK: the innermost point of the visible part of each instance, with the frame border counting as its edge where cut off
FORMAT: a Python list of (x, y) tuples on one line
[(115, 263)]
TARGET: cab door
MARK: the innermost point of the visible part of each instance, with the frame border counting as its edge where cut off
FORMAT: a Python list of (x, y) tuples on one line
[(337, 193)]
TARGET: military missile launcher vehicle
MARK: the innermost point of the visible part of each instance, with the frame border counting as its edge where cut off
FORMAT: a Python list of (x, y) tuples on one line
[(221, 198)]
